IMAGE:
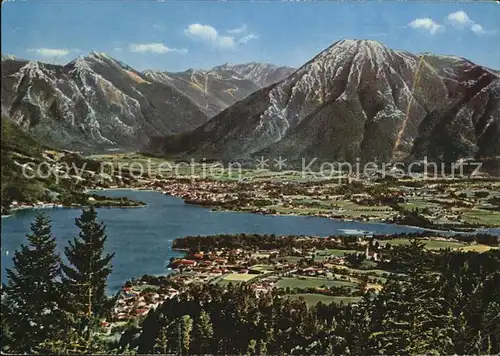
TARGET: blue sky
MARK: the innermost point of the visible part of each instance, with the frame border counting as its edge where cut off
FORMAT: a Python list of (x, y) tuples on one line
[(179, 35)]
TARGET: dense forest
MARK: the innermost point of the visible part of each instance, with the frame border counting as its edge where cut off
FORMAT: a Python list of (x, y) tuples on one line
[(271, 241)]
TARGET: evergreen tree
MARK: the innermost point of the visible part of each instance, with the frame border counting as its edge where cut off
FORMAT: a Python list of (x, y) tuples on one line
[(31, 305), (410, 317), (252, 345), (162, 342), (203, 332), (262, 348), (74, 342), (329, 350), (186, 328), (86, 277)]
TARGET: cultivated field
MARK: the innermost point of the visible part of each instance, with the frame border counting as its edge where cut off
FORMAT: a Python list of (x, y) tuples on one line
[(239, 277), (429, 244), (312, 299), (312, 282)]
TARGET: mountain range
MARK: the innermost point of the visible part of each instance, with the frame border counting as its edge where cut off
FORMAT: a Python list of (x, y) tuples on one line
[(96, 102), (358, 99)]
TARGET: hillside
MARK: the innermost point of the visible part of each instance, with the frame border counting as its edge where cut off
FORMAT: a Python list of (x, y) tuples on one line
[(97, 103), (93, 103), (212, 91), (222, 86), (32, 172), (17, 148)]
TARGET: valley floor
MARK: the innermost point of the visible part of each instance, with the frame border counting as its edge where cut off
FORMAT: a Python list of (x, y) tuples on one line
[(440, 204), (446, 204)]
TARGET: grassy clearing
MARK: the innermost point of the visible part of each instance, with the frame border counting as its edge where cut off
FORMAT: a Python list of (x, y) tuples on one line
[(311, 282), (312, 299), (420, 204), (323, 254), (300, 211), (343, 208), (349, 205), (481, 217), (261, 255), (142, 287), (375, 286), (429, 244), (478, 248), (262, 268), (239, 277), (372, 272)]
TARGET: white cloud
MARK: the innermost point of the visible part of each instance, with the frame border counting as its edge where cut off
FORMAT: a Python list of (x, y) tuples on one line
[(477, 29), (50, 52), (459, 18), (209, 34), (247, 38), (204, 32), (153, 48), (426, 24), (225, 41), (238, 31), (117, 49)]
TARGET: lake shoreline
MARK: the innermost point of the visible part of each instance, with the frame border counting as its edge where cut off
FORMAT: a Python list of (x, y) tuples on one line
[(96, 204), (464, 230), (459, 230), (13, 211)]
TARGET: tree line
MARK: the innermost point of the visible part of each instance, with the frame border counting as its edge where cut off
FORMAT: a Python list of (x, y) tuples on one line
[(272, 241)]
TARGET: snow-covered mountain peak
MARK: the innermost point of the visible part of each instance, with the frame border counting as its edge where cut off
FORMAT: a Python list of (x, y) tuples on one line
[(94, 102), (360, 99), (98, 55), (80, 64), (105, 59), (373, 51), (8, 57), (33, 69)]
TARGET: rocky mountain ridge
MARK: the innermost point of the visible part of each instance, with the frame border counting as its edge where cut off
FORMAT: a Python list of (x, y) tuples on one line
[(97, 103), (93, 102), (222, 86), (263, 74), (359, 99)]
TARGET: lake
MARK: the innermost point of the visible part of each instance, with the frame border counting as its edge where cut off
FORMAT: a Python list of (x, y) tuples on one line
[(142, 237)]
